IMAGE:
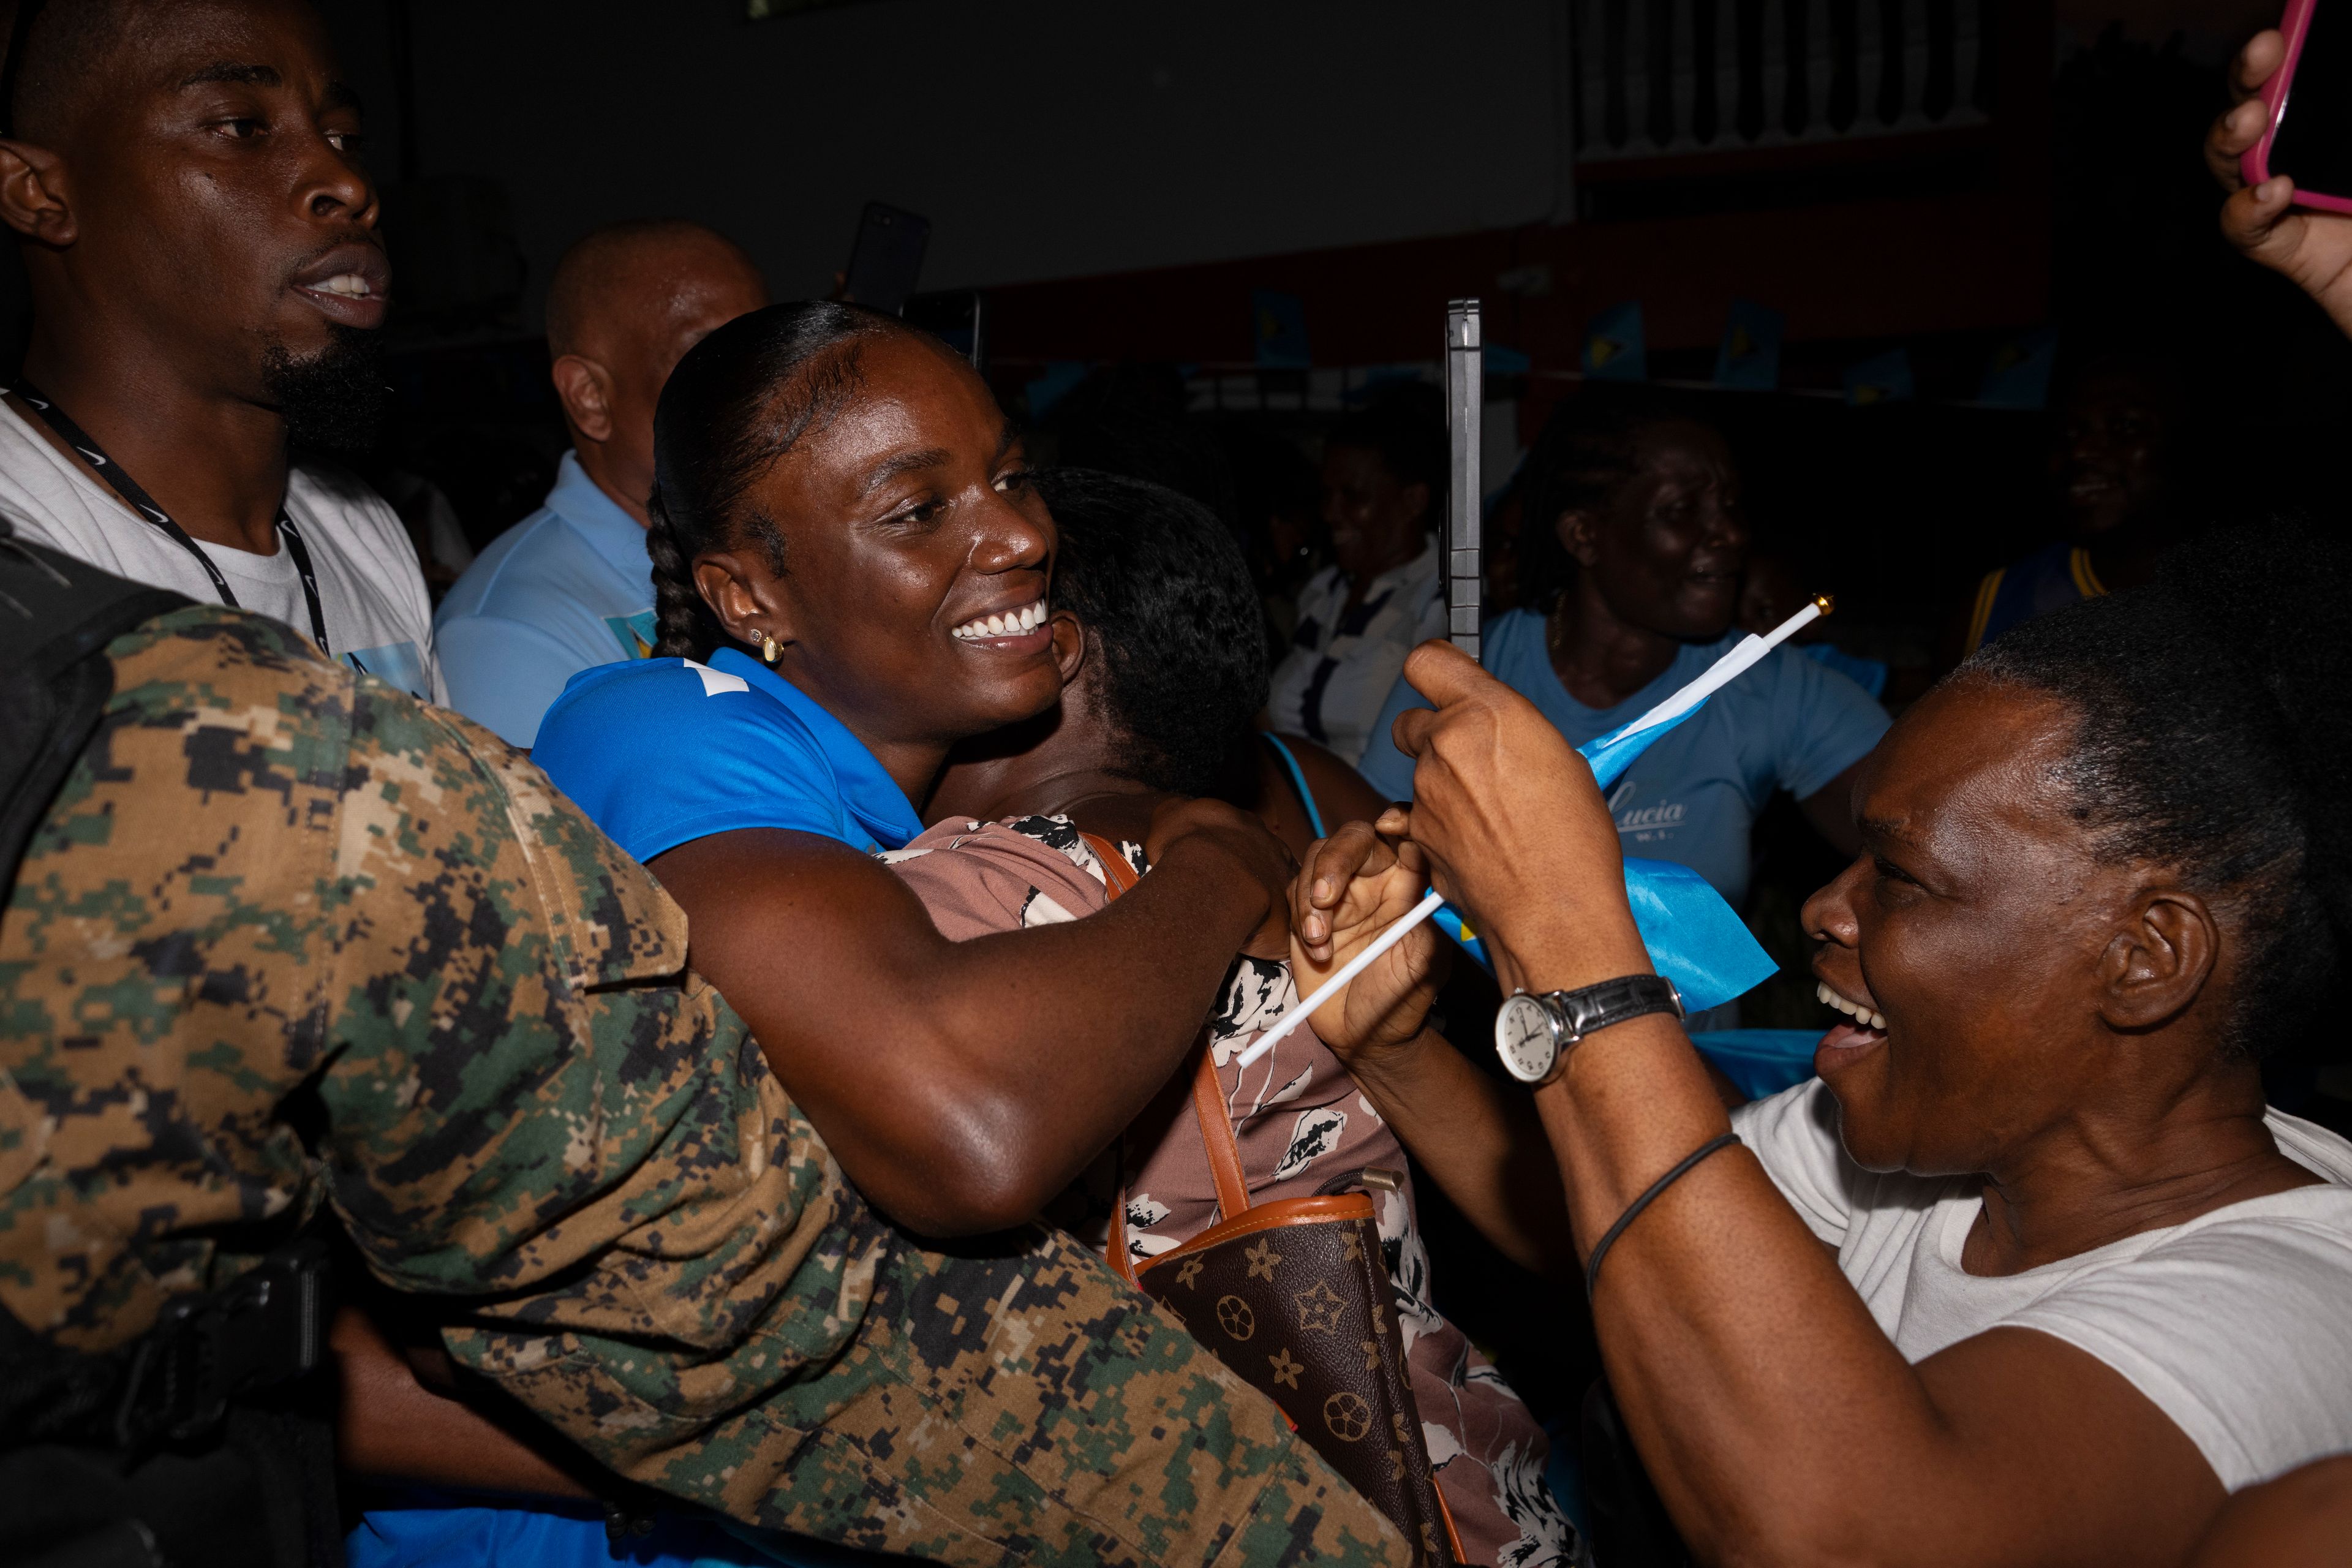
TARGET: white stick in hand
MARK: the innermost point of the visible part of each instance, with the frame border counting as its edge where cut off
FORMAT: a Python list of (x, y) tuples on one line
[(1719, 675), (1347, 970)]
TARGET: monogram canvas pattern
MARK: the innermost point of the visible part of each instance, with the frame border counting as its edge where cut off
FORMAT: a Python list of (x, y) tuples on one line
[(1300, 1311)]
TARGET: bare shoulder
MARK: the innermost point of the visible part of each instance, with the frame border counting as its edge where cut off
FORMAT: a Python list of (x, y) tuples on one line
[(2057, 1456), (2302, 1520)]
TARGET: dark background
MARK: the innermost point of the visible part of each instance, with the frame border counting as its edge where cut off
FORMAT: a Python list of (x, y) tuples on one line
[(1120, 180)]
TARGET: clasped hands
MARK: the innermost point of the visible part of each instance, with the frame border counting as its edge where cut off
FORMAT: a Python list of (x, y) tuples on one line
[(1508, 823)]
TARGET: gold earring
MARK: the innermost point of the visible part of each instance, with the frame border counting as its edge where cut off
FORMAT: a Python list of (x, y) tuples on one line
[(768, 647)]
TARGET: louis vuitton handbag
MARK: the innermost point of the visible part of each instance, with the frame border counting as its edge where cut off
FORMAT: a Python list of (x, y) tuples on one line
[(1295, 1298)]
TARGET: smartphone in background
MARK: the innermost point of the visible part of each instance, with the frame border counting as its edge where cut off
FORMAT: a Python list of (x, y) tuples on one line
[(887, 257), (958, 318), (2310, 99)]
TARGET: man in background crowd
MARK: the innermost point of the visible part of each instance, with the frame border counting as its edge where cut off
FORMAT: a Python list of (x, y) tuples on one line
[(208, 287), (1384, 484), (571, 588), (2118, 464)]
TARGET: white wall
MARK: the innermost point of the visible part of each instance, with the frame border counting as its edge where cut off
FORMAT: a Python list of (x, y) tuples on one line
[(1043, 138)]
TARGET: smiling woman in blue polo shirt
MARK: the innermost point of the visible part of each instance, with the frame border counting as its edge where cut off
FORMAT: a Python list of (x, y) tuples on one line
[(850, 569), (1633, 585)]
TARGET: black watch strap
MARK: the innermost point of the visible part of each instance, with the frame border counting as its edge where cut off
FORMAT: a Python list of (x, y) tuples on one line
[(1594, 1007)]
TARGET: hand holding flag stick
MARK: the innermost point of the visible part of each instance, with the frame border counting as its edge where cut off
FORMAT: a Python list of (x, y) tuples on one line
[(1613, 751)]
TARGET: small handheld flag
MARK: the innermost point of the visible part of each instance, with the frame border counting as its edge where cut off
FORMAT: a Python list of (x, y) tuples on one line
[(1690, 934)]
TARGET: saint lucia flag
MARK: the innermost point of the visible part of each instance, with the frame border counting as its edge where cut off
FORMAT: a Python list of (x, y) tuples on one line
[(1694, 937)]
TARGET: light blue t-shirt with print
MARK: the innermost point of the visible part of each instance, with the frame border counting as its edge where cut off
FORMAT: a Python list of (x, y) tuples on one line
[(661, 751), (566, 589), (1790, 723)]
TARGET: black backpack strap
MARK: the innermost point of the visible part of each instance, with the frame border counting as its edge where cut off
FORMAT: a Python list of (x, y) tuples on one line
[(56, 614), (204, 1439)]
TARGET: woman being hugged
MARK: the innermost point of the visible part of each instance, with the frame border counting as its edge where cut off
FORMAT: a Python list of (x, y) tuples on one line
[(1154, 609), (2030, 1273)]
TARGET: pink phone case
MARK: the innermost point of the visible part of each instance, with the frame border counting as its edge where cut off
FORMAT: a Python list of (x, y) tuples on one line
[(2255, 166)]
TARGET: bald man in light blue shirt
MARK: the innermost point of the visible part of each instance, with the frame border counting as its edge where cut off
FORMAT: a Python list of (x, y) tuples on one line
[(570, 586)]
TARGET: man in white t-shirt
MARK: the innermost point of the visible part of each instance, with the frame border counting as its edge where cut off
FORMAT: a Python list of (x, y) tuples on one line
[(207, 287)]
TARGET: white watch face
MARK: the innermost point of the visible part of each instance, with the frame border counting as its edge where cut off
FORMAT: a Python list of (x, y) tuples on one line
[(1523, 1039)]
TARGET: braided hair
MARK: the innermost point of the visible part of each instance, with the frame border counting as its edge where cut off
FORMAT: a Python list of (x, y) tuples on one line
[(2214, 734), (1589, 448), (738, 401)]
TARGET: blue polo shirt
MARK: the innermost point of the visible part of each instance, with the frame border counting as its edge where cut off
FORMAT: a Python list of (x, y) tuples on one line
[(1790, 723), (661, 751), (566, 589)]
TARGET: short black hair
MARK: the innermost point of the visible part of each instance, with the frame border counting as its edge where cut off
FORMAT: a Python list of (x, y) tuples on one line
[(62, 54), (1170, 610), (2214, 734), (614, 253), (1404, 427)]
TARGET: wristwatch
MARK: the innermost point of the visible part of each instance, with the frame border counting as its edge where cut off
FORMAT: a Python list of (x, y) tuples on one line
[(1533, 1035)]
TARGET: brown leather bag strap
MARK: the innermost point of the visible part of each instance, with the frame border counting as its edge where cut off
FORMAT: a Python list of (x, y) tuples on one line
[(1208, 1092), (1118, 878), (1217, 1137)]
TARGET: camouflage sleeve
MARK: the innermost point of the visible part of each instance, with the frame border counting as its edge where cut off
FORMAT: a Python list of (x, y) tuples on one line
[(273, 895), (270, 878)]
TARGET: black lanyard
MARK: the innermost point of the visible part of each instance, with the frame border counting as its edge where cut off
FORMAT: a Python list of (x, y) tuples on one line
[(130, 490)]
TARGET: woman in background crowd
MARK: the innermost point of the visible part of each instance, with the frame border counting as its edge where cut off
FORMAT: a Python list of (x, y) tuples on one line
[(1153, 606), (1631, 553), (1384, 485), (2030, 1273)]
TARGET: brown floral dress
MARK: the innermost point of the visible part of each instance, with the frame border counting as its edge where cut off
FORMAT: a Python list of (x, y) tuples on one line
[(1303, 1127)]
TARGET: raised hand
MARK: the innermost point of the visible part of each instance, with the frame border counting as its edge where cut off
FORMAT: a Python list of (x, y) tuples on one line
[(1515, 828), (1355, 885), (2313, 247)]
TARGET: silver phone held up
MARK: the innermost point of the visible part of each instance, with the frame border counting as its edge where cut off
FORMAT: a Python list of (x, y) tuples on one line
[(1464, 401)]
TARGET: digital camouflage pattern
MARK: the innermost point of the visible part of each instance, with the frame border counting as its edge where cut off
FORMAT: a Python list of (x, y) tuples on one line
[(276, 894)]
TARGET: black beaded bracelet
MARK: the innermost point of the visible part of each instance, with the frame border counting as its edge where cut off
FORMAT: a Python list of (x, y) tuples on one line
[(1608, 1237)]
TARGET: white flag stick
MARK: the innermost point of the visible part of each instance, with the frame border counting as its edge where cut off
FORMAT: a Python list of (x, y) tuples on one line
[(1731, 666), (1719, 675), (1347, 970)]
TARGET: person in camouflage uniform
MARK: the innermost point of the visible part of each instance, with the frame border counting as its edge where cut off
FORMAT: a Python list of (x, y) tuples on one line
[(269, 881)]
